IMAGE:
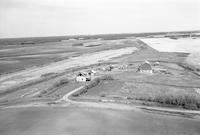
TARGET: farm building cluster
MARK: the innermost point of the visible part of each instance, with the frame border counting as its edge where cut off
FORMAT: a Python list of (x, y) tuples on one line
[(85, 76), (89, 74)]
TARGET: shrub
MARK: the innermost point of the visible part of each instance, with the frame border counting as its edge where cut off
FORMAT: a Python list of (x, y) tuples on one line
[(92, 84), (61, 82), (82, 91), (107, 77), (102, 95), (51, 89), (48, 74), (187, 101), (129, 98), (78, 44), (191, 106)]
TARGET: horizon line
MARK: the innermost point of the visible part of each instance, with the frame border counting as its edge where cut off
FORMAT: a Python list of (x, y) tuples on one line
[(78, 35)]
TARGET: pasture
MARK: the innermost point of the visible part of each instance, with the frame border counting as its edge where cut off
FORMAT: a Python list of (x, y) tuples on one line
[(90, 121)]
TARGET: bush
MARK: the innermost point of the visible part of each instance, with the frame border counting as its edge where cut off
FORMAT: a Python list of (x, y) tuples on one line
[(129, 98), (187, 101), (92, 84), (48, 74), (102, 95), (78, 44), (61, 82), (107, 77), (191, 106), (51, 89), (82, 91)]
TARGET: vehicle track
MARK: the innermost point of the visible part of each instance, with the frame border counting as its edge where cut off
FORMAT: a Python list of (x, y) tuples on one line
[(108, 105)]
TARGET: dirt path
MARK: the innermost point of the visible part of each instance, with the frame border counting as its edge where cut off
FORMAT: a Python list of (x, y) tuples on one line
[(65, 101), (122, 106), (22, 77), (94, 104)]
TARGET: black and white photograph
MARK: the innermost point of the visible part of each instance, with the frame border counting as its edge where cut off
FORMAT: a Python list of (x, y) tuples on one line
[(99, 67)]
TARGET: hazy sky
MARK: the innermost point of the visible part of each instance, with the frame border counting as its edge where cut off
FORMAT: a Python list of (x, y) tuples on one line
[(27, 18)]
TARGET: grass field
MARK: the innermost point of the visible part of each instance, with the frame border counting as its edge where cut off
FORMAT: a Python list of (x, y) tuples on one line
[(185, 45), (73, 120), (14, 58)]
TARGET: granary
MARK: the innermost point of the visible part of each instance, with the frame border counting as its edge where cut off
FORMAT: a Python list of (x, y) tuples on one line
[(145, 68)]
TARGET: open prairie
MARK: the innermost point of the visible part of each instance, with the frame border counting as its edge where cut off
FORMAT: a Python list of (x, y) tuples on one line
[(73, 120)]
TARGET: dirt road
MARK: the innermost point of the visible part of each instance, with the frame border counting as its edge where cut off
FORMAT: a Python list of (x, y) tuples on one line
[(123, 106), (95, 104)]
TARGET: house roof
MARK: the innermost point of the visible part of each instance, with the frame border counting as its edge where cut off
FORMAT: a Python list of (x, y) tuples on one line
[(145, 66)]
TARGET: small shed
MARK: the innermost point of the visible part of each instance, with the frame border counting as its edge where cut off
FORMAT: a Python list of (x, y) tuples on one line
[(156, 63), (145, 68)]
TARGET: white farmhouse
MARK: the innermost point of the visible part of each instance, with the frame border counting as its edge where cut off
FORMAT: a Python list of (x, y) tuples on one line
[(82, 77)]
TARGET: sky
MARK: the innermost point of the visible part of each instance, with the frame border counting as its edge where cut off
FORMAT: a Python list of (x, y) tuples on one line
[(33, 18)]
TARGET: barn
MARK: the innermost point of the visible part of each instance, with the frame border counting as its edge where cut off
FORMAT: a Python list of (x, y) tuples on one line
[(145, 68)]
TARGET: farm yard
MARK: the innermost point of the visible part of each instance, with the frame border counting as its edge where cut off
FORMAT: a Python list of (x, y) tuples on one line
[(168, 80), (35, 82), (123, 76)]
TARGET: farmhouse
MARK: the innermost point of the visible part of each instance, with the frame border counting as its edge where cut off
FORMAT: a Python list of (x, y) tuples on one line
[(145, 68), (82, 77)]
